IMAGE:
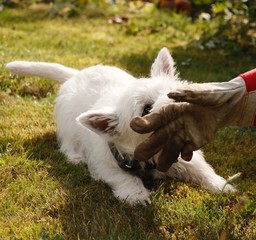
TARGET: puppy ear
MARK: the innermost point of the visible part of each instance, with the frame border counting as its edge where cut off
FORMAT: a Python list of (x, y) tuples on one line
[(100, 123), (163, 64)]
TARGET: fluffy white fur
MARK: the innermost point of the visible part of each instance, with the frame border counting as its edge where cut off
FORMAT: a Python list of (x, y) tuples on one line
[(95, 105)]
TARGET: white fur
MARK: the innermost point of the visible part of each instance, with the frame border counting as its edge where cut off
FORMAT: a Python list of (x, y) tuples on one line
[(54, 70), (95, 105)]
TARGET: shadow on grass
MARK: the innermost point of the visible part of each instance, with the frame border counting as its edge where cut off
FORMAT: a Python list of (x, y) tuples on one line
[(90, 210), (137, 65), (193, 64)]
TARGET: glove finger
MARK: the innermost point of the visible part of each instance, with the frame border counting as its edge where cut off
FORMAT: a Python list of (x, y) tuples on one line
[(158, 139), (187, 151), (210, 98), (151, 146), (155, 120), (146, 124), (193, 93), (169, 154)]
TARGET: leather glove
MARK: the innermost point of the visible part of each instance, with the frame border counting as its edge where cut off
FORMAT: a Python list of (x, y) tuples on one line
[(191, 122)]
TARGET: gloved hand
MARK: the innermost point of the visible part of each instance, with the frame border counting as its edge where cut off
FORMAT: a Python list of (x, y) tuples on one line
[(199, 112)]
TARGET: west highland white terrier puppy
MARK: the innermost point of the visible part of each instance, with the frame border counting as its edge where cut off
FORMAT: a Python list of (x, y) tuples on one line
[(94, 108)]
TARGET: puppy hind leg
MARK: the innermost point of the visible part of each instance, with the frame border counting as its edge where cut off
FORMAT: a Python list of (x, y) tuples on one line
[(200, 172)]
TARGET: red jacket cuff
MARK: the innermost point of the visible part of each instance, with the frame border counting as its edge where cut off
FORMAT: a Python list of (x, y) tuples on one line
[(250, 80)]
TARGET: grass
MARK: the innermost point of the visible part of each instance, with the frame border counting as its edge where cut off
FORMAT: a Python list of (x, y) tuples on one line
[(44, 197)]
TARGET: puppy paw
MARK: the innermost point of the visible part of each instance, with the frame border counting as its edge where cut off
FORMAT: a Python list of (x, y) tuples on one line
[(133, 192), (220, 186), (228, 188)]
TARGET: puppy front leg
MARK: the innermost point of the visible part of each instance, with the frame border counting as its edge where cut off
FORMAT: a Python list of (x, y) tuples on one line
[(124, 185), (131, 189)]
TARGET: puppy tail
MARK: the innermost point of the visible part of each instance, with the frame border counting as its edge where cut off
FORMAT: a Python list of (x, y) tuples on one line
[(52, 71)]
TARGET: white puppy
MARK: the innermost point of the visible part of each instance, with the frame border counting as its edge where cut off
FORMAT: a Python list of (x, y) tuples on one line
[(94, 108)]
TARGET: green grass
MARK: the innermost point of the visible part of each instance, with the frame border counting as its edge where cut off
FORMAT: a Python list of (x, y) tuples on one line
[(44, 197)]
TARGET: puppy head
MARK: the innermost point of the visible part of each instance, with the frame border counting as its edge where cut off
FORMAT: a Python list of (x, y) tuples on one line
[(138, 99)]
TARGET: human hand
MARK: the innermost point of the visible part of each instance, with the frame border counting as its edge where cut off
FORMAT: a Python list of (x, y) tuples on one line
[(191, 122)]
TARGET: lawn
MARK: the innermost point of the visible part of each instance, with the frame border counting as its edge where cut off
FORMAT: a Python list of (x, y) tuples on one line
[(42, 196)]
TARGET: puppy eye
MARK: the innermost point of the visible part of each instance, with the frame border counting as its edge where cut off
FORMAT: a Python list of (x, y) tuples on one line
[(146, 109)]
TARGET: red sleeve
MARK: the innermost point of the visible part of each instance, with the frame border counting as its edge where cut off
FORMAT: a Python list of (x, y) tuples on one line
[(250, 80), (250, 83)]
